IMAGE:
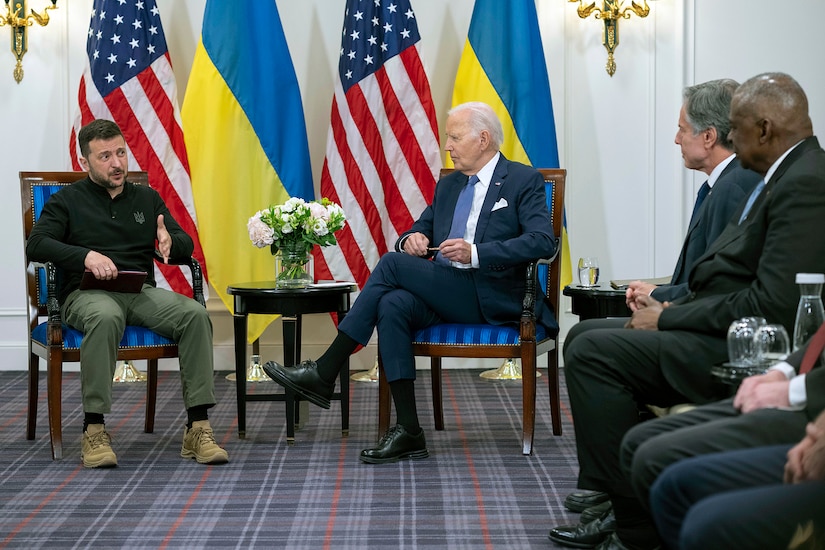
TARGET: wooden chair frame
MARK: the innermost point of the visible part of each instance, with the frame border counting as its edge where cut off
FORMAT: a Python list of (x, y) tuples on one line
[(48, 306), (527, 349)]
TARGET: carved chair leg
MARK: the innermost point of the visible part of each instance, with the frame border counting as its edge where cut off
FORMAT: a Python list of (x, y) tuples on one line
[(438, 393), (54, 390), (553, 382), (528, 389), (34, 378), (151, 395)]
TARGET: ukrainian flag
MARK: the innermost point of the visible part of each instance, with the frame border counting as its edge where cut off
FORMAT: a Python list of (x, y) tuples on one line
[(245, 134), (503, 66)]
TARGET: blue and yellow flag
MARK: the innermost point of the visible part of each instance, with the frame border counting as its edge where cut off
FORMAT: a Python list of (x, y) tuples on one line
[(503, 66), (243, 123)]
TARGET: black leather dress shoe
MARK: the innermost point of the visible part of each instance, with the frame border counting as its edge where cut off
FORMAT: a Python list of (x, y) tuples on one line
[(582, 500), (397, 444), (596, 512), (584, 535), (303, 379)]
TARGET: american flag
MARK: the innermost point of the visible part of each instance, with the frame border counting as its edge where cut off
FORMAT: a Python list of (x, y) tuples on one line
[(128, 79), (382, 154)]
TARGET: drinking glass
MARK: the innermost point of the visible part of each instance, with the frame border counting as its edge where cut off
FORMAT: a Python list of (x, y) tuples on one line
[(588, 272), (741, 346), (772, 344)]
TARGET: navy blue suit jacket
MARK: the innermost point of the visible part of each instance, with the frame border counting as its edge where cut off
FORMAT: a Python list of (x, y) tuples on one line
[(732, 187), (514, 228)]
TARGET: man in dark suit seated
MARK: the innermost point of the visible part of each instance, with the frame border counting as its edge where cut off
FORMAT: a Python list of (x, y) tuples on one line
[(702, 136), (703, 139), (713, 476), (665, 354), (737, 499), (487, 221)]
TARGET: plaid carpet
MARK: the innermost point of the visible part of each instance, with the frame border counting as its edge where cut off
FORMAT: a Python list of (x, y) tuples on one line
[(475, 491)]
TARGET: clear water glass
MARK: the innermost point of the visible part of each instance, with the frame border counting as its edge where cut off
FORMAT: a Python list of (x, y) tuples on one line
[(772, 344), (741, 348), (588, 272)]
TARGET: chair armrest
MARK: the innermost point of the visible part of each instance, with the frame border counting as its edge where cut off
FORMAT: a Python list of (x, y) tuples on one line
[(528, 304), (52, 300), (197, 275), (54, 329)]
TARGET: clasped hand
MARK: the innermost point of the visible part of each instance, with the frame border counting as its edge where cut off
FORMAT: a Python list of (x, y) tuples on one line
[(635, 290), (454, 250), (762, 391), (806, 460), (646, 315)]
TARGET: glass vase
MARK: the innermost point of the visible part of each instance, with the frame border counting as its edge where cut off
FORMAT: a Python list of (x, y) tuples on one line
[(294, 266)]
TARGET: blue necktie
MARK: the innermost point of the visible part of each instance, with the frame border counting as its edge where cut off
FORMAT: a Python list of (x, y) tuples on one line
[(700, 198), (461, 213), (751, 200)]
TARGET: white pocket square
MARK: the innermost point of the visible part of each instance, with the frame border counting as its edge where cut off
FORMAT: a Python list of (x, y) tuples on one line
[(502, 203)]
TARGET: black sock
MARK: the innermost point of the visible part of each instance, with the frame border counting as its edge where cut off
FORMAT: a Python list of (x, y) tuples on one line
[(196, 413), (329, 364), (403, 395), (91, 418)]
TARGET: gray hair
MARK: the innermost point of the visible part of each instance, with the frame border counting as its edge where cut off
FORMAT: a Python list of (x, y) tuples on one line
[(707, 105), (482, 117)]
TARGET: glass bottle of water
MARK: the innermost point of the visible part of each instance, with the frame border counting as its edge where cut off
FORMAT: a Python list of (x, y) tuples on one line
[(809, 313)]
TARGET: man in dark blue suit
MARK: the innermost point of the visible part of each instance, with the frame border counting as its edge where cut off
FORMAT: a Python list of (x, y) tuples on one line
[(462, 261), (703, 139)]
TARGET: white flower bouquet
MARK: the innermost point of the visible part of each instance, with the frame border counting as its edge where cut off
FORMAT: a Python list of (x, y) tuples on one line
[(290, 230), (296, 224)]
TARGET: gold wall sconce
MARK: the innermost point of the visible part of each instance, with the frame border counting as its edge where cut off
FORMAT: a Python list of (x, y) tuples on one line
[(16, 18), (611, 11)]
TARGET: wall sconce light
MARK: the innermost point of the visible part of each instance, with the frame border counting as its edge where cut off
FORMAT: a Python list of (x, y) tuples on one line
[(19, 26), (611, 12)]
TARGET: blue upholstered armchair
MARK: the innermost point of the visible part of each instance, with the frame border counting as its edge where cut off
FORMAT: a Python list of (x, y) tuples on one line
[(58, 343), (524, 339)]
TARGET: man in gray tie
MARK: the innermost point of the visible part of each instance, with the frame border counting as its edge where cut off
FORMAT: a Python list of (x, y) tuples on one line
[(665, 354)]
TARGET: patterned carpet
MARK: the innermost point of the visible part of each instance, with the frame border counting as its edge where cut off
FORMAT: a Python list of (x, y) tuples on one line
[(475, 491)]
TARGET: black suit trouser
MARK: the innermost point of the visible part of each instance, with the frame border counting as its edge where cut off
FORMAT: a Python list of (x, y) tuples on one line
[(610, 374)]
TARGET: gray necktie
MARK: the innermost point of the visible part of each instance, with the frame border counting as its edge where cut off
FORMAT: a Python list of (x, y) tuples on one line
[(751, 200)]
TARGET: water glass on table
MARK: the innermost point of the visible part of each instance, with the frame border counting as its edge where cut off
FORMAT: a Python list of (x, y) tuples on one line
[(588, 272), (741, 345), (772, 344)]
